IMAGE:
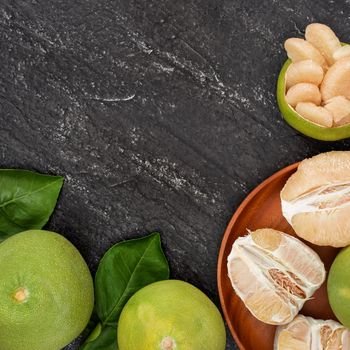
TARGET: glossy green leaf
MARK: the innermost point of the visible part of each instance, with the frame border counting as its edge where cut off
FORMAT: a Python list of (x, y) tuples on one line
[(125, 268), (27, 200), (104, 339)]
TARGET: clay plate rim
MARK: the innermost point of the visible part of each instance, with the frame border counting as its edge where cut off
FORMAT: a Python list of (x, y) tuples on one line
[(228, 233)]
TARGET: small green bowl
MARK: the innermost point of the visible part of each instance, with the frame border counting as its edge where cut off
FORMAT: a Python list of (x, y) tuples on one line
[(301, 124)]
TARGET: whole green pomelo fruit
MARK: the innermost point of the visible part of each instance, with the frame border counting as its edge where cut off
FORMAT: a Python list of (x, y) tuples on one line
[(46, 292), (338, 286), (170, 315)]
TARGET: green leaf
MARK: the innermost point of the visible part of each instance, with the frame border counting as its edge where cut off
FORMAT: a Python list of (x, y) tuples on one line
[(27, 200), (104, 339), (125, 268)]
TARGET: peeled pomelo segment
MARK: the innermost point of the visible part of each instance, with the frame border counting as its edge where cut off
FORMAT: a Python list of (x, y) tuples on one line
[(316, 114), (339, 106), (322, 169), (294, 336), (303, 92), (324, 39), (311, 334), (267, 239), (257, 291), (318, 229), (300, 50), (274, 274), (306, 71), (268, 309), (342, 52), (335, 338), (336, 81), (323, 198), (316, 199), (304, 126)]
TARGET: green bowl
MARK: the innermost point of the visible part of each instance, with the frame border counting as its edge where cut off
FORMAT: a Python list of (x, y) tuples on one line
[(299, 123)]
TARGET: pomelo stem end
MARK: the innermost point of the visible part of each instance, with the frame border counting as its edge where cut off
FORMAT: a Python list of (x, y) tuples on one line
[(21, 295), (168, 343)]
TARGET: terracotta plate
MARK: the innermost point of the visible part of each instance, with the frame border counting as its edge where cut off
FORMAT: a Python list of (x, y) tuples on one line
[(259, 210)]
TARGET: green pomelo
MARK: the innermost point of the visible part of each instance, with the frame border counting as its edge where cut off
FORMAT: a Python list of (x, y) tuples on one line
[(46, 292), (170, 315), (338, 286), (301, 124)]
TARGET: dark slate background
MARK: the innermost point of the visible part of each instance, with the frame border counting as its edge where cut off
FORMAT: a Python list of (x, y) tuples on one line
[(160, 114)]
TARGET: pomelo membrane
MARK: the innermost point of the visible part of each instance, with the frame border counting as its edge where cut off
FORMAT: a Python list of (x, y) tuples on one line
[(306, 333), (170, 315), (274, 274), (316, 199), (46, 292)]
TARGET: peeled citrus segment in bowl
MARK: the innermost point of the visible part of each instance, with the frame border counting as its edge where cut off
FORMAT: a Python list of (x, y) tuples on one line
[(336, 81), (318, 69), (274, 274), (316, 199), (324, 40), (307, 333)]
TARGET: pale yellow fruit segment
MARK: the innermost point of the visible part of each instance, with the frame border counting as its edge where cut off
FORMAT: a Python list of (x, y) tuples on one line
[(316, 199), (274, 274), (293, 336), (307, 333), (306, 71), (336, 81), (316, 114), (339, 106), (303, 92), (342, 52), (267, 239), (324, 39), (301, 50), (319, 72)]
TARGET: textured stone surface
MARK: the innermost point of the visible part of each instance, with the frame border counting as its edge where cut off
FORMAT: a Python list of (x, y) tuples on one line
[(160, 114)]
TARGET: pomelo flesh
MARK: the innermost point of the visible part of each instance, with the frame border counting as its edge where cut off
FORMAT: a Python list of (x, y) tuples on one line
[(302, 124), (274, 274), (324, 39), (316, 199), (307, 333), (170, 315), (305, 66), (46, 292)]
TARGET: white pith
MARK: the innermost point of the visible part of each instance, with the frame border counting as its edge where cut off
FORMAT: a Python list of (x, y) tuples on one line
[(259, 261), (313, 332), (309, 203)]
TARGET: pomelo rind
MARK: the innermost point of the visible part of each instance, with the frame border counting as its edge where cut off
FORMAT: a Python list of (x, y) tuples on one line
[(170, 315), (338, 286), (46, 294)]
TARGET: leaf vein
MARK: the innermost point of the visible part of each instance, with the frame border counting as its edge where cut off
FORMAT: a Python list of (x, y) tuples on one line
[(109, 316), (28, 194)]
